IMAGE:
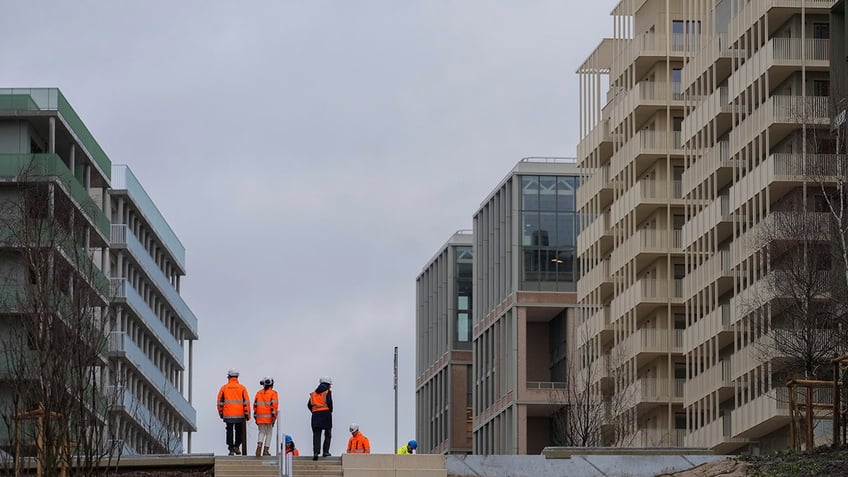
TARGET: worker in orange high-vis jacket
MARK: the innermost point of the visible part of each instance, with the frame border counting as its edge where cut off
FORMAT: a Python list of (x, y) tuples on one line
[(265, 409), (358, 443), (321, 405), (234, 409)]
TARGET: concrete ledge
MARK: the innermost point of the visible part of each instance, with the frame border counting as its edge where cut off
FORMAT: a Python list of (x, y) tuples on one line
[(578, 466), (392, 465), (567, 452)]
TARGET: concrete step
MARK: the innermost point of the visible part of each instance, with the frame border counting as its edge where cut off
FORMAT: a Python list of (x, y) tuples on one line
[(248, 466)]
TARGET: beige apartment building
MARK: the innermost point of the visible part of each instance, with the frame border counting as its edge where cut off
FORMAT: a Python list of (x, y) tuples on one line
[(693, 118)]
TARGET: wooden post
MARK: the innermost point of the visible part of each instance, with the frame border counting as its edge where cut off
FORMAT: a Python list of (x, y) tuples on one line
[(40, 440), (793, 431), (836, 405), (809, 428)]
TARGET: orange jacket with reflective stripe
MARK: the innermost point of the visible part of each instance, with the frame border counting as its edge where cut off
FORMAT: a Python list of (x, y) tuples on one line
[(358, 444), (265, 406), (318, 401), (233, 401)]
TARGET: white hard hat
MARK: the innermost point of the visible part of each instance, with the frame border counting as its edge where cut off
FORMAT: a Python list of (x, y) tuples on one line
[(354, 427), (232, 373), (325, 380)]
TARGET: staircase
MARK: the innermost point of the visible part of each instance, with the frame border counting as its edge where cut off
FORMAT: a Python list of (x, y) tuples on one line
[(249, 466)]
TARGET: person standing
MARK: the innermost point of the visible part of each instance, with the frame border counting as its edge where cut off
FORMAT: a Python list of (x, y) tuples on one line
[(265, 409), (358, 443), (234, 409), (409, 448), (321, 405)]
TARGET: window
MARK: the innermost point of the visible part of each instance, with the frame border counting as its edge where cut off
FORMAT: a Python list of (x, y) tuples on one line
[(821, 88), (821, 31), (676, 78)]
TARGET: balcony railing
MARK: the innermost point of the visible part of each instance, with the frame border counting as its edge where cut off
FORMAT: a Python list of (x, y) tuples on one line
[(51, 99), (145, 419), (546, 385), (36, 166), (122, 235), (120, 343), (122, 288)]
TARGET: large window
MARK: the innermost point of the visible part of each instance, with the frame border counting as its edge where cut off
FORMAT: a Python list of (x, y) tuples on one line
[(549, 225), (464, 267)]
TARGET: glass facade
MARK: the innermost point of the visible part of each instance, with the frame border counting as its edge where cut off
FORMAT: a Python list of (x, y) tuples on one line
[(464, 269), (549, 224)]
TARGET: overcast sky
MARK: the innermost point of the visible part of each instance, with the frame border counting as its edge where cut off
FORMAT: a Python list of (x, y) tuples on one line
[(312, 156)]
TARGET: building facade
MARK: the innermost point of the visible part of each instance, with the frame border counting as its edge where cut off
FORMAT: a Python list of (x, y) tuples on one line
[(443, 365), (696, 148), (110, 260), (153, 329), (525, 274)]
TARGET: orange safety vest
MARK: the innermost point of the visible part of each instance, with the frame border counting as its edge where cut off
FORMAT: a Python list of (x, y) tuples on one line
[(293, 451), (319, 401), (233, 401), (265, 406), (358, 444)]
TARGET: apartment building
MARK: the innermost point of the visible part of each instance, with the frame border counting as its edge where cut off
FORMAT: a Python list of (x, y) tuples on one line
[(525, 274), (60, 205), (153, 329), (443, 341), (698, 140)]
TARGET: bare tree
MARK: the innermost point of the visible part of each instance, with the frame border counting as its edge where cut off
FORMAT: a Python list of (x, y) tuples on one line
[(55, 304), (595, 413)]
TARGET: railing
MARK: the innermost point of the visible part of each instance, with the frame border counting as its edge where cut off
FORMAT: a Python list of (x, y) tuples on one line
[(122, 235), (122, 288), (790, 49), (119, 342), (35, 166), (145, 419), (546, 385), (124, 179), (51, 99)]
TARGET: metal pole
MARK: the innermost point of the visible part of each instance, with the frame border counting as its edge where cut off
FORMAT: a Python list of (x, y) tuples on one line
[(396, 398)]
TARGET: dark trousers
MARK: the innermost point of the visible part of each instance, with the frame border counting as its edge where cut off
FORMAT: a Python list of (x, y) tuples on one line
[(316, 440), (234, 434)]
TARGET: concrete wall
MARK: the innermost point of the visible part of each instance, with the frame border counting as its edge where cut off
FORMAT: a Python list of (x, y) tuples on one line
[(576, 466), (390, 465)]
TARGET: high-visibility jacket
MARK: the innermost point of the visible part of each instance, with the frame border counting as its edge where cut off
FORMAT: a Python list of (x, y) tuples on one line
[(404, 450), (293, 451), (265, 406), (318, 401), (358, 444), (233, 401)]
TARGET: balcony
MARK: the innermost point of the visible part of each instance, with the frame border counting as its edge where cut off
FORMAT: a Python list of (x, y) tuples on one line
[(598, 140), (34, 167), (780, 58), (717, 271), (716, 323), (650, 392), (598, 278), (124, 291), (715, 435), (645, 295), (123, 236), (716, 107), (598, 186), (645, 197), (781, 173), (146, 420), (714, 161), (715, 379), (51, 99), (598, 325), (659, 438), (778, 11), (645, 246), (646, 49), (714, 217), (598, 232), (120, 345), (761, 415), (644, 148), (647, 344), (124, 179), (644, 100), (781, 115), (715, 53)]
